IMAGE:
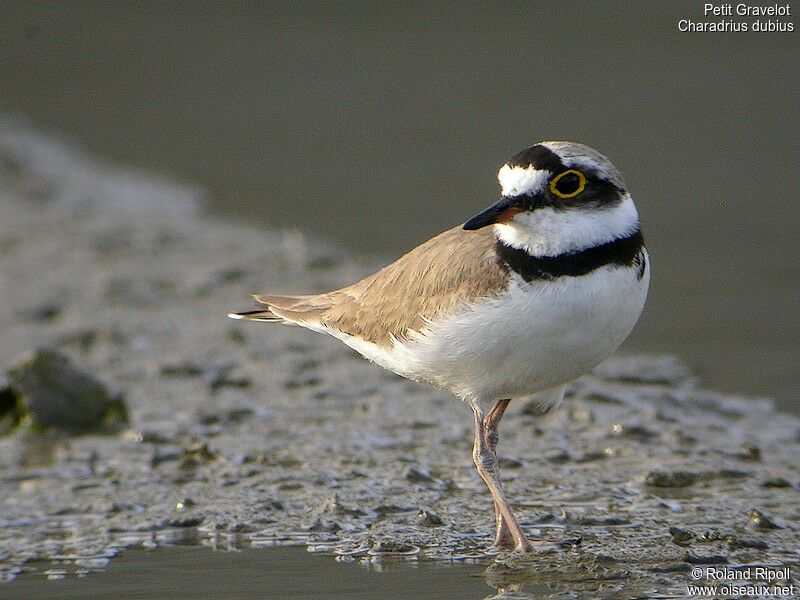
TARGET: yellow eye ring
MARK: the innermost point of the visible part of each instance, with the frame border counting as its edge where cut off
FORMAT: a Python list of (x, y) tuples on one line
[(565, 196)]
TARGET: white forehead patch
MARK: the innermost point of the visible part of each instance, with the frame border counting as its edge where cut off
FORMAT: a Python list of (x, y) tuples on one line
[(515, 181)]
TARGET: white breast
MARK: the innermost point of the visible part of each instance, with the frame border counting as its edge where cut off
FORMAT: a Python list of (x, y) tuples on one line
[(530, 338)]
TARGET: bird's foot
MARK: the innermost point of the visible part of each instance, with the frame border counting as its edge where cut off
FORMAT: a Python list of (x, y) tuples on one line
[(523, 546)]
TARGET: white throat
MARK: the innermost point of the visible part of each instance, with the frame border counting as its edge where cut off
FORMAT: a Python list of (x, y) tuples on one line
[(547, 232)]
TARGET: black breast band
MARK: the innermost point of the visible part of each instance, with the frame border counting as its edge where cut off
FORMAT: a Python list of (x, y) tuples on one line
[(623, 252)]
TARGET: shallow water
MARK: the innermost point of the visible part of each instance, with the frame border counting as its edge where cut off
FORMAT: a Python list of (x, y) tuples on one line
[(275, 573)]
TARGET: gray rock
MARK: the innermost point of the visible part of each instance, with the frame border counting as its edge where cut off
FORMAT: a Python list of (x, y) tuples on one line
[(57, 394), (11, 410)]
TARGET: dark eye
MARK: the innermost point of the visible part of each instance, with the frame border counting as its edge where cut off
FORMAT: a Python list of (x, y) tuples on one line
[(568, 184)]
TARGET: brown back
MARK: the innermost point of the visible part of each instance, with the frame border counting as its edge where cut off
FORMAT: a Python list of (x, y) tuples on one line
[(433, 279)]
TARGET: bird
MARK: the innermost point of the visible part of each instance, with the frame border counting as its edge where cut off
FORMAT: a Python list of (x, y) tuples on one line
[(517, 302)]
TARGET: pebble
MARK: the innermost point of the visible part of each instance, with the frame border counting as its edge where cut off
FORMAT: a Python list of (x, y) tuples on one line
[(415, 475), (761, 520), (776, 482), (429, 519), (669, 479), (681, 537)]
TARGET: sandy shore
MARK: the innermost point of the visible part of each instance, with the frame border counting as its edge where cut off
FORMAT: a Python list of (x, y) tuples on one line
[(250, 434)]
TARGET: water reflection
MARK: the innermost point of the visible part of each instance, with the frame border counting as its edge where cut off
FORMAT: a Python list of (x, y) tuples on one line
[(276, 573), (293, 572)]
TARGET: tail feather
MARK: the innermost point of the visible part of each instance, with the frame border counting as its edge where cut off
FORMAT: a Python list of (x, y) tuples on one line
[(285, 309), (256, 315), (292, 303)]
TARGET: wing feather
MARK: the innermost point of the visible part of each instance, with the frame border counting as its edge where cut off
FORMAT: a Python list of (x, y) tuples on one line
[(435, 278)]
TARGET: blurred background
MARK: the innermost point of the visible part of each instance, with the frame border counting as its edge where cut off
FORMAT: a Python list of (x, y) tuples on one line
[(376, 127)]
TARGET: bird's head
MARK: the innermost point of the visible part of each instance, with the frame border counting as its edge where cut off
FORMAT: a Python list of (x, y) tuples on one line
[(559, 197)]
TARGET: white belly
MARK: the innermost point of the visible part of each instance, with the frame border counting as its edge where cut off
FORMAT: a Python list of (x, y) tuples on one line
[(533, 337)]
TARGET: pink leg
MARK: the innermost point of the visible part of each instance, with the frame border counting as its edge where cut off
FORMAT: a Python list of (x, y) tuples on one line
[(485, 458), (502, 538)]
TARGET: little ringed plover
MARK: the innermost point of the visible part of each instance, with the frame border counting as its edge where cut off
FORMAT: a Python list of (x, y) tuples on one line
[(521, 299)]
